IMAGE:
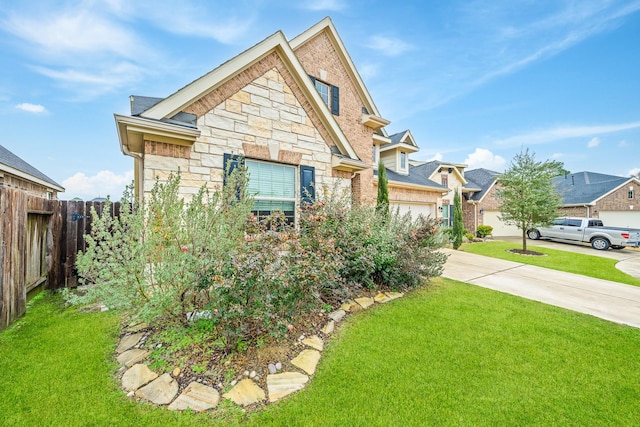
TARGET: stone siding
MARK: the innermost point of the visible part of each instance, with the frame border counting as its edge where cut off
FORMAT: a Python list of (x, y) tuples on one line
[(263, 119)]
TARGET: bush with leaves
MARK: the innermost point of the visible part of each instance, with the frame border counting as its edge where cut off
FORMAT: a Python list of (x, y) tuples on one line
[(164, 258), (484, 230), (157, 258)]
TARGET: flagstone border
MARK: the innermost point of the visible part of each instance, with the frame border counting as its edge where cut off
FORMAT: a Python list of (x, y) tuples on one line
[(162, 389)]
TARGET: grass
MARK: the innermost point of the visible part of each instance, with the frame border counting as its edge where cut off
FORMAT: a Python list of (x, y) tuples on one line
[(587, 265), (463, 355), (451, 354), (58, 369)]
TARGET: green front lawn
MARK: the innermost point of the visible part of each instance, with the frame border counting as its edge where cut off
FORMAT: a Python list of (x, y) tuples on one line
[(450, 354), (587, 265)]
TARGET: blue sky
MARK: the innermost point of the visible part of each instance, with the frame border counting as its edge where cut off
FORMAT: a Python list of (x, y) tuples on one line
[(476, 82)]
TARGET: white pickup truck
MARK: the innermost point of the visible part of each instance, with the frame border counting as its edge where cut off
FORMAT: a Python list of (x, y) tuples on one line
[(587, 230)]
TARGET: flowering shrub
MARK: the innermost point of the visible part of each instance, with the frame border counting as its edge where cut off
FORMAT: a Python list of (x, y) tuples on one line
[(211, 260)]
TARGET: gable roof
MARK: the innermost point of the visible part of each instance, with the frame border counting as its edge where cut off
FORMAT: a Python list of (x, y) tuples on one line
[(168, 108), (401, 139), (326, 26), (14, 165), (481, 179), (416, 176), (588, 187), (429, 168)]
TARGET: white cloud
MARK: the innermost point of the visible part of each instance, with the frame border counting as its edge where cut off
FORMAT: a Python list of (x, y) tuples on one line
[(545, 136), (483, 158), (388, 46), (95, 81), (32, 108), (71, 32), (623, 143), (104, 183), (368, 70), (557, 156), (634, 172), (593, 142), (335, 5)]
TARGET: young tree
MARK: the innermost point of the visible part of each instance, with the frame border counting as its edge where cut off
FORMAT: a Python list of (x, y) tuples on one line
[(458, 227), (528, 195), (382, 204)]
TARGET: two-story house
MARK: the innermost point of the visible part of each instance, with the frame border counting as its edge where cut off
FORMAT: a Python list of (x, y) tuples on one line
[(297, 112)]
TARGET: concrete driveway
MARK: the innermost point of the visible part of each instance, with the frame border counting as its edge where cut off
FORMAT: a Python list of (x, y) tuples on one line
[(608, 300)]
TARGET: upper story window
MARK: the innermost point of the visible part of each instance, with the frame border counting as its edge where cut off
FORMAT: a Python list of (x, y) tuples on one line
[(323, 90), (403, 160), (445, 180), (374, 156), (630, 194), (330, 95)]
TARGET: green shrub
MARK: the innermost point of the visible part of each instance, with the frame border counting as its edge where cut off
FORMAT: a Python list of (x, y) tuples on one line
[(484, 230), (165, 260)]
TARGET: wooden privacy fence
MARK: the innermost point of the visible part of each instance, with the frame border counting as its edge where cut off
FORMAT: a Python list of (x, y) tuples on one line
[(40, 241)]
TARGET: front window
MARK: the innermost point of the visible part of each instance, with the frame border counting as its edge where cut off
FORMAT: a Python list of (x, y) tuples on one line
[(323, 90), (445, 181), (403, 160), (273, 188), (630, 193)]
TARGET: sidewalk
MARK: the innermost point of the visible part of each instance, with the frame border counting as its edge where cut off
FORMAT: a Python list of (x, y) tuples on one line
[(601, 298)]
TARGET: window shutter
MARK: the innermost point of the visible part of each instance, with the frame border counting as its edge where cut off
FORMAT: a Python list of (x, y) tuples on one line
[(307, 184), (335, 100), (231, 163)]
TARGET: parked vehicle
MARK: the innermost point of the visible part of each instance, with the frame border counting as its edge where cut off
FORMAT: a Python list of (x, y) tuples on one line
[(587, 230)]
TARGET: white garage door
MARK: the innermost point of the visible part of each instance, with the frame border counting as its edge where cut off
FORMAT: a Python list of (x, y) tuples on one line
[(414, 209), (500, 229), (620, 218)]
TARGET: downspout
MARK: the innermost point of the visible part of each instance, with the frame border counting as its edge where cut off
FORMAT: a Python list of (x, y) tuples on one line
[(138, 171)]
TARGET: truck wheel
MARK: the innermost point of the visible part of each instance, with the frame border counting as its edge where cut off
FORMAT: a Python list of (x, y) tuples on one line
[(600, 243), (533, 234)]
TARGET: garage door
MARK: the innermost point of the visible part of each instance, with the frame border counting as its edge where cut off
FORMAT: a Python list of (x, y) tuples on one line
[(414, 209), (620, 218), (500, 229)]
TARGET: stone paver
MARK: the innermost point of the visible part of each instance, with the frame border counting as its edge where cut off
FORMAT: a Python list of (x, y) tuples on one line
[(314, 342), (131, 357), (337, 315), (245, 393), (394, 295), (281, 385), (381, 298), (137, 376), (329, 327), (365, 302), (307, 360), (198, 397), (128, 341), (160, 391)]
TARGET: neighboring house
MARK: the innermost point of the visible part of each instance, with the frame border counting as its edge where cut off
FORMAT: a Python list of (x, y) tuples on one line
[(613, 199), (482, 207), (16, 173), (450, 177), (411, 190)]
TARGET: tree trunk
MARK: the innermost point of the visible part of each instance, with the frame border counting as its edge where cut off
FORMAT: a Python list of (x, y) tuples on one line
[(524, 239)]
